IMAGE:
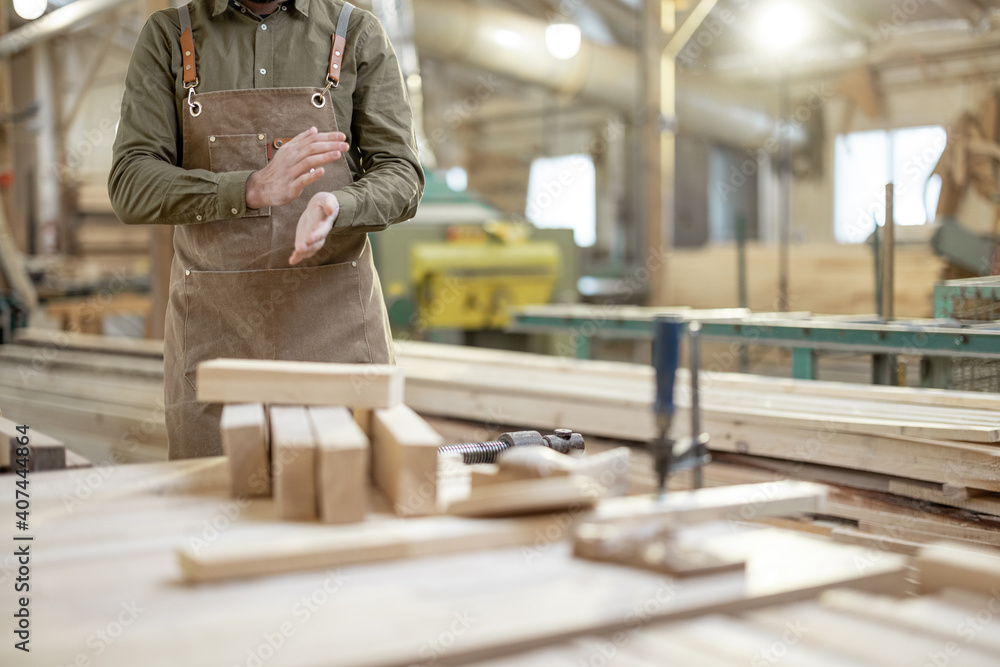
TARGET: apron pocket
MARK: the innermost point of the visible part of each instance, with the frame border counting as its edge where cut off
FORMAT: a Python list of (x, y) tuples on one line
[(229, 314), (322, 316), (239, 152)]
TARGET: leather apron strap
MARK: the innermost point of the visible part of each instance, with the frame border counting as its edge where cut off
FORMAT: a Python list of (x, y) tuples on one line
[(339, 44), (187, 47)]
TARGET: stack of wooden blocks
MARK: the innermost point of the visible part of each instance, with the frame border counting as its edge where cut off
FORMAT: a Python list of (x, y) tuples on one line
[(289, 432)]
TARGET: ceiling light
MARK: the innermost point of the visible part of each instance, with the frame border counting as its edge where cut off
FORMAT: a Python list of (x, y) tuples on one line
[(781, 26), (563, 40), (30, 9)]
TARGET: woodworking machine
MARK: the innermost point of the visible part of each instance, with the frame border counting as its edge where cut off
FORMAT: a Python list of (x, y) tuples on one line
[(671, 455)]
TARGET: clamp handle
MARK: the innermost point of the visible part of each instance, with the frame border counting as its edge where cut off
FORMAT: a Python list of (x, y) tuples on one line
[(667, 334)]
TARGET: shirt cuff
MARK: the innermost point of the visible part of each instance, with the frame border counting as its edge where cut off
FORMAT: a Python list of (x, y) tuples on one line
[(232, 194), (348, 209)]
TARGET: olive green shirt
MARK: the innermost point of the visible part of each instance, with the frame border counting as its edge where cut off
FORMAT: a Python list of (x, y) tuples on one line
[(236, 50)]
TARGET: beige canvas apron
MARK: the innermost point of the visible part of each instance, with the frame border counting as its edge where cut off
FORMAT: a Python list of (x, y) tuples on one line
[(232, 292)]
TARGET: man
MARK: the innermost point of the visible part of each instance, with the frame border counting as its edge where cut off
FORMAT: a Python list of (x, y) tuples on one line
[(273, 155)]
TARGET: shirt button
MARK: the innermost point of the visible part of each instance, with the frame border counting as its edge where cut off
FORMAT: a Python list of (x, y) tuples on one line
[(235, 211), (283, 8), (263, 26), (243, 10), (263, 71)]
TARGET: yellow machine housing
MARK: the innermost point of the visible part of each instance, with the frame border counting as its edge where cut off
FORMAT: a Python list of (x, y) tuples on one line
[(470, 285)]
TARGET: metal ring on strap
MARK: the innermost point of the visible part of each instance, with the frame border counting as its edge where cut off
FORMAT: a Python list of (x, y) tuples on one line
[(194, 106)]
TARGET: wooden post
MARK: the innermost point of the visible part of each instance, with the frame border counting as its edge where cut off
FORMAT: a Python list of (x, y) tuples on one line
[(658, 107), (341, 466), (293, 463)]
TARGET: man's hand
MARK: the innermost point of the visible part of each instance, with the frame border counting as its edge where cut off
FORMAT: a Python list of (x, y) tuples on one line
[(296, 165), (314, 226)]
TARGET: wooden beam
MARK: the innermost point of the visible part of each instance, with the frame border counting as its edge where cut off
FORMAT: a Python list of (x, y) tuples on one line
[(245, 441), (945, 565), (728, 503), (351, 545), (658, 108), (686, 30), (404, 460), (293, 463), (299, 383), (574, 493), (342, 466), (44, 452)]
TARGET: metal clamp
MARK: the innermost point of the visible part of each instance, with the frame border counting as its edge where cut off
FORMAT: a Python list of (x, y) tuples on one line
[(195, 107)]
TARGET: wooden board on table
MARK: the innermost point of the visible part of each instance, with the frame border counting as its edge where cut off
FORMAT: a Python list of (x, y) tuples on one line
[(246, 443), (727, 503), (575, 493), (293, 462), (341, 467), (404, 459), (120, 543), (299, 383)]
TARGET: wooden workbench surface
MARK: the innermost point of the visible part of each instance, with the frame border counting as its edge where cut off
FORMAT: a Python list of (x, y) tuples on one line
[(106, 587)]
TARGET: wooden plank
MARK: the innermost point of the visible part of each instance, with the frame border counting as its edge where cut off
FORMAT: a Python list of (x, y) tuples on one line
[(945, 565), (575, 493), (293, 463), (404, 459), (728, 503), (245, 441), (342, 465), (299, 383), (388, 541)]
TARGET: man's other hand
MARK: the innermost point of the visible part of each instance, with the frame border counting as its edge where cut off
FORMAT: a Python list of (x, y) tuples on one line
[(314, 226), (296, 165)]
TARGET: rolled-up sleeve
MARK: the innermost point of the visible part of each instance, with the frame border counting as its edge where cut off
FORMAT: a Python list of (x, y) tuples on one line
[(146, 184), (392, 180)]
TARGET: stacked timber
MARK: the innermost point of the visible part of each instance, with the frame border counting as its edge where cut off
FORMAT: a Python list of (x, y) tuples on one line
[(906, 466)]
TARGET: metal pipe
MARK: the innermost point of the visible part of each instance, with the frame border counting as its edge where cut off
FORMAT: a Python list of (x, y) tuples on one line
[(888, 258), (513, 44), (54, 23)]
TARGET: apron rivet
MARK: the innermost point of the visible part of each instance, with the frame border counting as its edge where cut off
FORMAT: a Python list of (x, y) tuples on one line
[(337, 52), (198, 218), (235, 211), (188, 67), (261, 137), (336, 66), (354, 263), (187, 53), (211, 139), (187, 273)]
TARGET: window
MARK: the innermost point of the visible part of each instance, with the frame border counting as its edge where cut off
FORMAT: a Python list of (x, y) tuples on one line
[(562, 193), (865, 161)]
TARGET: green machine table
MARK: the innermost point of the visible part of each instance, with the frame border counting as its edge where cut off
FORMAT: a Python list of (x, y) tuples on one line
[(939, 343)]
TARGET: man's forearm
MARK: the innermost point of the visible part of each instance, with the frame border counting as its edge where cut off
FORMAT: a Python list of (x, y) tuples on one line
[(146, 190), (382, 197)]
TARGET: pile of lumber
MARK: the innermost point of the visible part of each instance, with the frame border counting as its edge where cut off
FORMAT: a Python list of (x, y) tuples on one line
[(907, 465), (707, 278), (296, 440)]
